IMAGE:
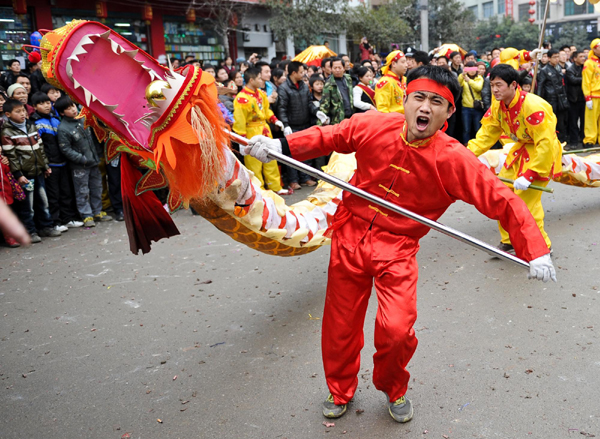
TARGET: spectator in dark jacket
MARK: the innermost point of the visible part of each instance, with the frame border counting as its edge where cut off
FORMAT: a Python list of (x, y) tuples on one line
[(59, 187), (76, 143), (551, 87), (576, 100), (9, 77), (295, 111)]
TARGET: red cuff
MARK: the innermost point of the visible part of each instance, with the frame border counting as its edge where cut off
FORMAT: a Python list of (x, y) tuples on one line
[(588, 98), (527, 56), (273, 120), (532, 175)]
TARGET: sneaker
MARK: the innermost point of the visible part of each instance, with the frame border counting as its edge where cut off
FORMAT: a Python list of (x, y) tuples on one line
[(331, 410), (401, 410), (11, 242), (284, 192), (35, 238), (74, 224), (61, 228), (120, 217), (50, 232), (102, 217), (507, 248), (89, 222)]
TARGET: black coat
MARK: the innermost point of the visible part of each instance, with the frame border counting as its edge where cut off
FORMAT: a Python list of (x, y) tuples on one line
[(486, 94), (551, 87), (573, 80), (294, 108)]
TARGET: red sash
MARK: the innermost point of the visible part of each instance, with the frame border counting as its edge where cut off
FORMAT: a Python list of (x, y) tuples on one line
[(369, 91)]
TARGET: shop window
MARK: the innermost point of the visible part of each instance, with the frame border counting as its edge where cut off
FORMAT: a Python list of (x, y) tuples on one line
[(14, 31), (183, 39), (131, 27)]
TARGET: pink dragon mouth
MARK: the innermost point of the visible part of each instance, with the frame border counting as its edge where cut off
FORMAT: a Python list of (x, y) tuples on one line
[(109, 75)]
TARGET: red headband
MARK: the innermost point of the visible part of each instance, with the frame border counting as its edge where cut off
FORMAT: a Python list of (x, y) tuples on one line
[(425, 84)]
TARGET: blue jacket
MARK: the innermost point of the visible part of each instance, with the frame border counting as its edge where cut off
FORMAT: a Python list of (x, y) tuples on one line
[(47, 126)]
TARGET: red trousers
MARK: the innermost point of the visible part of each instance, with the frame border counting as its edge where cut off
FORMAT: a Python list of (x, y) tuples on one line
[(350, 280)]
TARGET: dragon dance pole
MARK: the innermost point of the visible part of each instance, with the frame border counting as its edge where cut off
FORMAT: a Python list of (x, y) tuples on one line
[(537, 61), (531, 187), (456, 234)]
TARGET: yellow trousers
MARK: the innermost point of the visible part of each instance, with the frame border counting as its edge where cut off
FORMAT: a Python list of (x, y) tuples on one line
[(592, 123), (533, 200), (269, 170)]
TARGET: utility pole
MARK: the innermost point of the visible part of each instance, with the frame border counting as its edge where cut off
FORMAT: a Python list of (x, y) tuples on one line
[(424, 8)]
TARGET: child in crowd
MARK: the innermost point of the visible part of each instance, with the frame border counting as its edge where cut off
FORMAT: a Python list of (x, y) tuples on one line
[(22, 145), (58, 184), (316, 93), (77, 145), (53, 93)]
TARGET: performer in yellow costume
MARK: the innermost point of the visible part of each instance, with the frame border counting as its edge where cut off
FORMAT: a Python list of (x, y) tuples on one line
[(536, 155), (590, 84), (251, 113), (390, 90)]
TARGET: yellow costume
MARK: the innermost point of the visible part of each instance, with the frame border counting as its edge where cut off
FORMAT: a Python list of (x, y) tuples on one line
[(536, 154), (514, 57), (590, 84), (390, 90), (251, 113)]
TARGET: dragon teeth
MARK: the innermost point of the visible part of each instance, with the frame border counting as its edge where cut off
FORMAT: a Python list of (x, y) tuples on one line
[(111, 108), (69, 69), (76, 84), (130, 53), (105, 35), (88, 96), (115, 47)]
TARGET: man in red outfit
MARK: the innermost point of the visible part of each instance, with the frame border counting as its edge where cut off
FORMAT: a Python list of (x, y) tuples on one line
[(408, 161)]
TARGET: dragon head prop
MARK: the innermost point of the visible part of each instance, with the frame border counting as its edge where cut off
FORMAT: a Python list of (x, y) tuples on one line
[(168, 118)]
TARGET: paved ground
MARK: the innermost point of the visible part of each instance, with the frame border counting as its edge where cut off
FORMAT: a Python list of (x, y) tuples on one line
[(218, 341)]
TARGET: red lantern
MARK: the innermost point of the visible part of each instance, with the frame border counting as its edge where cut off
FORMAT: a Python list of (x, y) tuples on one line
[(531, 11), (20, 7), (147, 13), (498, 35), (531, 20), (190, 16), (531, 2), (101, 10)]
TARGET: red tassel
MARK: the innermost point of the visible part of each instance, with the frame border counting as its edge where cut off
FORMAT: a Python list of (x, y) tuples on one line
[(145, 217)]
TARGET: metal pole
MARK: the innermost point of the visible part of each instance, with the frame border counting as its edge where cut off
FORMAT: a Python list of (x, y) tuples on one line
[(456, 234), (424, 7), (535, 70)]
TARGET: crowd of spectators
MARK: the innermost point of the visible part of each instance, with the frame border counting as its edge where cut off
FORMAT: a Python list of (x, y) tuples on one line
[(55, 175)]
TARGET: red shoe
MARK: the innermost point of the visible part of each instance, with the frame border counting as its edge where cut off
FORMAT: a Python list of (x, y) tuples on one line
[(12, 243)]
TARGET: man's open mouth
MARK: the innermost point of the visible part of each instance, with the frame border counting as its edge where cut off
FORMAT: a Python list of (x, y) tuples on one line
[(422, 123)]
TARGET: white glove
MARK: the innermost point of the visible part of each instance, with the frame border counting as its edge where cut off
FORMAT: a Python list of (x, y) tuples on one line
[(521, 184), (537, 53), (542, 269), (322, 117), (589, 105), (280, 125), (287, 131), (259, 147)]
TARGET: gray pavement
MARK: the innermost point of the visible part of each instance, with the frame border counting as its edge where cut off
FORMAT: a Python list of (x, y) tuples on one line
[(219, 341)]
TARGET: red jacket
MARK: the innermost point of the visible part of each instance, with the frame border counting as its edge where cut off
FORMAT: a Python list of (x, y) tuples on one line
[(425, 179)]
